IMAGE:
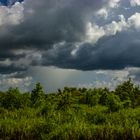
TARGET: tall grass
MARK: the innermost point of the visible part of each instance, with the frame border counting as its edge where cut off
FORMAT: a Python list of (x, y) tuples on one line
[(71, 115)]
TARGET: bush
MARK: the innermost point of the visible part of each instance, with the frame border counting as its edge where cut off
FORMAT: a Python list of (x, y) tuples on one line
[(114, 103), (12, 99), (71, 114), (64, 101), (37, 95), (104, 97), (90, 98)]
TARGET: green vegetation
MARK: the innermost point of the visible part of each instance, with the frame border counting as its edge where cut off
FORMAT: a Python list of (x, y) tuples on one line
[(71, 114)]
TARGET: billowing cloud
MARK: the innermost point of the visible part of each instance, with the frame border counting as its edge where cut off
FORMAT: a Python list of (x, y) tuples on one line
[(34, 26), (10, 80), (117, 47), (74, 34), (135, 2), (11, 16)]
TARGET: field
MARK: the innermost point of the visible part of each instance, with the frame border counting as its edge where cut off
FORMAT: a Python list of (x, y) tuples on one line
[(71, 114)]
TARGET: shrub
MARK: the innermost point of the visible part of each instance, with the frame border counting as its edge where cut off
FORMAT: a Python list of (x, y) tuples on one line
[(90, 98), (114, 103), (37, 95), (64, 101)]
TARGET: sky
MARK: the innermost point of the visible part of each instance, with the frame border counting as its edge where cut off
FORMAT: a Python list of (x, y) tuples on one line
[(82, 43)]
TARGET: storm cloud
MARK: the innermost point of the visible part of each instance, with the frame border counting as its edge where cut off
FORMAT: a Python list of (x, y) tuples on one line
[(68, 34), (35, 26)]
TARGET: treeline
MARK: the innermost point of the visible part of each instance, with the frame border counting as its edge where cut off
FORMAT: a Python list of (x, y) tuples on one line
[(71, 114)]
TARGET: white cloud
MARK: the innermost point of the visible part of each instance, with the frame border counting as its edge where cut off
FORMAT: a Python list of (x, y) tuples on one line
[(135, 2), (113, 77), (107, 9), (95, 32), (134, 21), (108, 78), (114, 3), (114, 27), (7, 81), (6, 62), (103, 12), (11, 15)]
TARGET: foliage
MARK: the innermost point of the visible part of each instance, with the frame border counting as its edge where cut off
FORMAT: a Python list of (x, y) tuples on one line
[(71, 114), (64, 101), (128, 91), (114, 103), (12, 99), (37, 95), (90, 97)]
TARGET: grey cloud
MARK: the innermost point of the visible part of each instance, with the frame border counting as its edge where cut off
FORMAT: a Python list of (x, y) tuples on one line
[(45, 23), (51, 21), (11, 69), (113, 52), (52, 33)]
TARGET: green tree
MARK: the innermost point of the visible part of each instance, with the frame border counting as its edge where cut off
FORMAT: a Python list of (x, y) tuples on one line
[(64, 101), (11, 100), (128, 91), (26, 100), (104, 96), (91, 97), (114, 103), (37, 95)]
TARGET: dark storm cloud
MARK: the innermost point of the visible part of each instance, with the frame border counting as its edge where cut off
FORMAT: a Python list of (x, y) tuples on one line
[(113, 52), (51, 29), (50, 22), (45, 23), (11, 69)]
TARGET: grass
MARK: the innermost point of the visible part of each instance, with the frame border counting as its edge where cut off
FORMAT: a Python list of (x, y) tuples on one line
[(70, 115)]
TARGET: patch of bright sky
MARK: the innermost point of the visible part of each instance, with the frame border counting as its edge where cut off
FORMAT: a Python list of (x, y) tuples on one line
[(54, 78)]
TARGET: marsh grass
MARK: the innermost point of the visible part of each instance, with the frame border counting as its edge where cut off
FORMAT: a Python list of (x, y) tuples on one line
[(71, 115)]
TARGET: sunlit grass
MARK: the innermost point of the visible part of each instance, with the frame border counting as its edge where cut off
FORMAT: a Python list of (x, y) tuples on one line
[(70, 115)]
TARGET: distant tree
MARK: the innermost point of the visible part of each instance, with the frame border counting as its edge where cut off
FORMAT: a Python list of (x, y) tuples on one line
[(127, 103), (37, 95), (26, 100), (64, 101), (125, 89), (82, 90), (104, 96), (2, 98), (11, 99), (128, 91), (114, 103), (90, 97), (136, 97)]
